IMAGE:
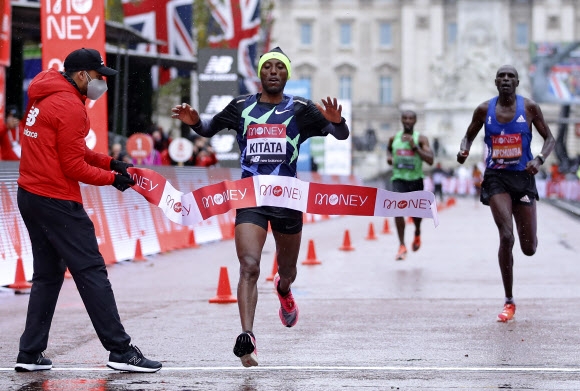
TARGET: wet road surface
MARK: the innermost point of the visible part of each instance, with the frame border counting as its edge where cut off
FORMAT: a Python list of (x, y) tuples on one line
[(367, 322)]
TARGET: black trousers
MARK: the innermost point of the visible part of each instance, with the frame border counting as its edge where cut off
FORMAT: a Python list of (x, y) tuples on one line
[(62, 235)]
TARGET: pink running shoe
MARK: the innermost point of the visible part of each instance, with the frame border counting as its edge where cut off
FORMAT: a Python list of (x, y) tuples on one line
[(402, 253), (288, 307), (245, 348), (416, 243), (509, 310)]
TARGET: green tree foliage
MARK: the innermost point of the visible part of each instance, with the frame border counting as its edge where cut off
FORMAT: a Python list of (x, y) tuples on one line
[(114, 10), (201, 13)]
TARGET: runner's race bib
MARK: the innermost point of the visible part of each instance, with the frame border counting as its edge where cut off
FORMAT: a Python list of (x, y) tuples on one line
[(506, 148), (405, 159), (266, 143)]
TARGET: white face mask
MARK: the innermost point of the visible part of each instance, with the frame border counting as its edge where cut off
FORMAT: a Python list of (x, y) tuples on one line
[(96, 88)]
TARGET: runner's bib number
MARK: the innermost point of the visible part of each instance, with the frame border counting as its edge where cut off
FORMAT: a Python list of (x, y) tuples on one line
[(266, 143), (506, 148)]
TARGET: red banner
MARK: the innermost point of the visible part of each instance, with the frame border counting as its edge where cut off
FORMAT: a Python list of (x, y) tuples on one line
[(5, 29), (69, 25), (5, 36)]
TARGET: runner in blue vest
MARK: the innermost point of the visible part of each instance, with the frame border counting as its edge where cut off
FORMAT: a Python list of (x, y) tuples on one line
[(270, 128), (509, 185)]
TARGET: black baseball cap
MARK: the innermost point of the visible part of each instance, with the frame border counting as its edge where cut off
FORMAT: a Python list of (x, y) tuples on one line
[(87, 60)]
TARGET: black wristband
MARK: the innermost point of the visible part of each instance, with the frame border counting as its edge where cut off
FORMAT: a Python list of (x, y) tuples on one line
[(541, 158), (415, 148)]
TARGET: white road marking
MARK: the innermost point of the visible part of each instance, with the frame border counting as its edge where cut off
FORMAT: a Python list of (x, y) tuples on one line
[(335, 368)]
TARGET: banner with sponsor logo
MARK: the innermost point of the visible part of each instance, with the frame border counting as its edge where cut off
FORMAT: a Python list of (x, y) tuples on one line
[(5, 32), (5, 37), (69, 25), (218, 80), (316, 198), (218, 85), (123, 219)]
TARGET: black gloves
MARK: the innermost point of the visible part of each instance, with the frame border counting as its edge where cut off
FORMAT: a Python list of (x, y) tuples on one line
[(122, 182), (120, 167)]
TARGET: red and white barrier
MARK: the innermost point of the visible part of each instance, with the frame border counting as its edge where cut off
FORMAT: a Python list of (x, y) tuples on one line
[(120, 219), (565, 190)]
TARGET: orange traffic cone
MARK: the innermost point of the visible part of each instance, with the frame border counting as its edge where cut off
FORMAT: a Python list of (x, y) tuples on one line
[(191, 241), (346, 243), (371, 234), (311, 257), (224, 292), (228, 230), (274, 269), (450, 201), (386, 229), (19, 278), (138, 252)]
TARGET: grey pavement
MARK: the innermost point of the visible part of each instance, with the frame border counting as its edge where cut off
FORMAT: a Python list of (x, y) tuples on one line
[(367, 322)]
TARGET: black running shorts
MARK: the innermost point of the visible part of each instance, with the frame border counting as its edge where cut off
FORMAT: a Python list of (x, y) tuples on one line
[(283, 220), (401, 186), (520, 185)]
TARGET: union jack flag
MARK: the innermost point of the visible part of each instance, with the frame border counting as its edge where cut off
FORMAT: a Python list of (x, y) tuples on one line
[(236, 24), (164, 20)]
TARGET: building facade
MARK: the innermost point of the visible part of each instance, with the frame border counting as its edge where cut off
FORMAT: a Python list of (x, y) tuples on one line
[(437, 57)]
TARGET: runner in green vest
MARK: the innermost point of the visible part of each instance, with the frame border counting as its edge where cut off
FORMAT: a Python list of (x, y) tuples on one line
[(406, 152)]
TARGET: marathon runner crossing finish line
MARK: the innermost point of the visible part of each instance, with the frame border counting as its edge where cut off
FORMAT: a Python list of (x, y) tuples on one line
[(281, 191)]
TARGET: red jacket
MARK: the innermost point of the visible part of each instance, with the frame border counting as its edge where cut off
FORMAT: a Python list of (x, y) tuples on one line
[(55, 157)]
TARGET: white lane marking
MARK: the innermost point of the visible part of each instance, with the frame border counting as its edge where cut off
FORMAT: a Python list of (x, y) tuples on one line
[(335, 368)]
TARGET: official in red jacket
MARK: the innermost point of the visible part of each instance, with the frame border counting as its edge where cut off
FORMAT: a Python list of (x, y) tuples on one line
[(54, 160)]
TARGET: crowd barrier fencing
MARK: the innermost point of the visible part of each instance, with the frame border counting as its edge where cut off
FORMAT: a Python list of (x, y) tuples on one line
[(123, 220), (564, 189)]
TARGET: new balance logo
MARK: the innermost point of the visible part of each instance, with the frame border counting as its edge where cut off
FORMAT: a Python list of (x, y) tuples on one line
[(520, 119), (135, 360), (219, 68), (32, 114), (525, 199), (219, 64)]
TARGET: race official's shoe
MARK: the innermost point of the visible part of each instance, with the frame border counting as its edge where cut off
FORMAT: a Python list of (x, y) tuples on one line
[(416, 243), (402, 253), (509, 310), (132, 360), (245, 348), (29, 362), (288, 308)]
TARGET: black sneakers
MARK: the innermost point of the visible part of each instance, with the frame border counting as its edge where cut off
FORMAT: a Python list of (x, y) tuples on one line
[(245, 349), (132, 360), (28, 362)]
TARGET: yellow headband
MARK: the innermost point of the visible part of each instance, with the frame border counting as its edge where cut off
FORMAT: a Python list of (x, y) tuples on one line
[(274, 55)]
